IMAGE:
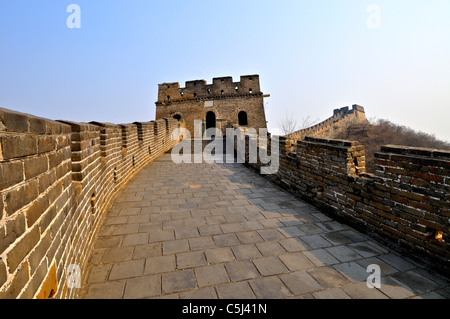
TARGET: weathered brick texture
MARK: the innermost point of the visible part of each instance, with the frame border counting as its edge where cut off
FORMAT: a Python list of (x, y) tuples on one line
[(406, 203), (57, 179)]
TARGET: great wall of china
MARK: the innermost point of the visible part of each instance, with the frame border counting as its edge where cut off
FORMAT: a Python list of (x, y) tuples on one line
[(405, 204), (57, 180)]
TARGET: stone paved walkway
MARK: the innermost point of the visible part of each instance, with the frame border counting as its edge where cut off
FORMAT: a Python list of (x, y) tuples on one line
[(203, 231)]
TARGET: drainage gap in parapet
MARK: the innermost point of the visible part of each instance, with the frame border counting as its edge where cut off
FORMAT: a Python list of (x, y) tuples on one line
[(93, 203)]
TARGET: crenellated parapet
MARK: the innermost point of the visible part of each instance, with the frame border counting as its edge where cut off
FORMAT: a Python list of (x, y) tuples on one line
[(221, 88), (57, 181), (404, 204), (343, 114)]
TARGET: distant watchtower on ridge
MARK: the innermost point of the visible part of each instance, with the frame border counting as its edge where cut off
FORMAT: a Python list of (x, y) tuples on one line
[(222, 104)]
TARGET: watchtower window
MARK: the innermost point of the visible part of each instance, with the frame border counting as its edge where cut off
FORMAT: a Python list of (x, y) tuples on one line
[(222, 81), (222, 92), (181, 93), (209, 91), (195, 94), (177, 117), (242, 118), (236, 88), (250, 91), (250, 79), (168, 97)]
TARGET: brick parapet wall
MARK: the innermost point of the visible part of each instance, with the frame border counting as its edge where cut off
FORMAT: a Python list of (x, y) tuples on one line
[(339, 116), (57, 180), (405, 204)]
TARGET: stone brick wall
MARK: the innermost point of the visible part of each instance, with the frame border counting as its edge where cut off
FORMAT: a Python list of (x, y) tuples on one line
[(405, 204), (339, 116), (57, 180), (223, 97)]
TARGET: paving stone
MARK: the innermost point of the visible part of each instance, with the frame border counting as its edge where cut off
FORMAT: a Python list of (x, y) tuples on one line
[(219, 255), (138, 219), (315, 241), (175, 246), (143, 287), (311, 229), (252, 225), (116, 220), (135, 239), (352, 271), (246, 252), (200, 294), (231, 228), (271, 223), (108, 242), (291, 231), (361, 291), (385, 268), (211, 275), (365, 249), (172, 224), (225, 240), (328, 277), (209, 230), (99, 273), (293, 245), (160, 264), (343, 253), (271, 248), (126, 229), (127, 269), (106, 290), (149, 227), (397, 262), (190, 260), (353, 235), (332, 226), (432, 295), (320, 257), (186, 233), (395, 289), (270, 234), (269, 288), (178, 281), (161, 236), (415, 281), (238, 290), (333, 293), (336, 238), (268, 266), (249, 237), (114, 255), (241, 270), (296, 261), (201, 243)]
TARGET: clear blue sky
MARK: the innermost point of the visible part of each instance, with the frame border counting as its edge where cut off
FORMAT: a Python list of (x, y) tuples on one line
[(312, 56)]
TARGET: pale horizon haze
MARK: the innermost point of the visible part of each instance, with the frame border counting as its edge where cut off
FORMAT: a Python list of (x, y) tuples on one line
[(311, 56)]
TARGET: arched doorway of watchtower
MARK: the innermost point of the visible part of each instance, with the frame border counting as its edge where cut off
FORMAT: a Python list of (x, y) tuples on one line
[(210, 121), (242, 118), (177, 117)]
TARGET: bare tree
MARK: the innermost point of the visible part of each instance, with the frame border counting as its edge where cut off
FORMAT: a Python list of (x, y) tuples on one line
[(307, 122), (289, 124)]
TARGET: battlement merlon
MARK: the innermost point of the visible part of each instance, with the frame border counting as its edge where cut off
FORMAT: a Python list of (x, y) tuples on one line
[(248, 85)]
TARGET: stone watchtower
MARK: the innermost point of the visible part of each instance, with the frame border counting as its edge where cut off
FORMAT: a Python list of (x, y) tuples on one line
[(222, 104)]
